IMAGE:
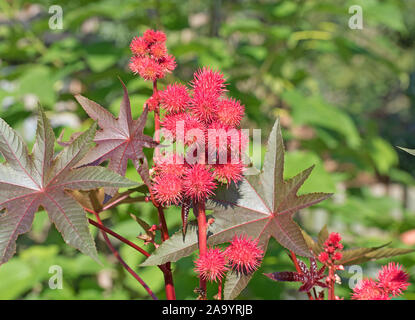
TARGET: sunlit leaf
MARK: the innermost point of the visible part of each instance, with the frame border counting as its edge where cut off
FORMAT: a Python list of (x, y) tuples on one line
[(119, 139), (40, 179)]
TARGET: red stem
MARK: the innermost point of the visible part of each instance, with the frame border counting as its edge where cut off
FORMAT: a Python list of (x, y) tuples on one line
[(220, 290), (168, 282), (116, 235), (168, 276), (162, 219), (156, 114), (124, 264), (166, 268), (202, 228), (294, 259), (332, 296), (114, 203), (122, 239)]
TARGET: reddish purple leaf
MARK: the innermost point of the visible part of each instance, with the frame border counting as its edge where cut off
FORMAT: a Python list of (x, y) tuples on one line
[(262, 206), (40, 179), (308, 277), (119, 139)]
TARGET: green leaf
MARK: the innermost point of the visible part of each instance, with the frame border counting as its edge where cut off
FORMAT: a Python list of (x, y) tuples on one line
[(24, 272), (101, 56), (38, 80), (382, 154), (315, 111), (321, 179), (285, 9), (386, 14)]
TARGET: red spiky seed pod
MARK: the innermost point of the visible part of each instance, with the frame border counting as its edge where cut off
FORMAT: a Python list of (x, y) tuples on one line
[(158, 50), (211, 266), (167, 63), (230, 112), (208, 81), (368, 289), (228, 172), (170, 164), (167, 189), (184, 127), (175, 98), (195, 130), (244, 255), (139, 46), (198, 183), (150, 59), (153, 102), (225, 142), (204, 106), (146, 67), (175, 123), (393, 279), (154, 36), (208, 86)]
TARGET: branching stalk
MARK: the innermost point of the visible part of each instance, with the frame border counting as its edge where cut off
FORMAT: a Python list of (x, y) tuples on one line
[(168, 276), (202, 229), (123, 263), (297, 267)]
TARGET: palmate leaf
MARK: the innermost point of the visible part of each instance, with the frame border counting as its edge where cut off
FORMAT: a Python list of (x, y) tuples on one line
[(362, 255), (119, 139), (29, 181), (309, 277), (260, 206), (356, 255)]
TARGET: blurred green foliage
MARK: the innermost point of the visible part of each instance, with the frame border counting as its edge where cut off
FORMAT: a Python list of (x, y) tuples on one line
[(346, 99)]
